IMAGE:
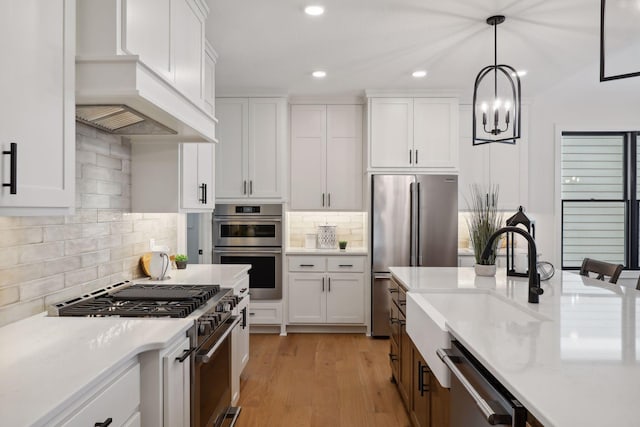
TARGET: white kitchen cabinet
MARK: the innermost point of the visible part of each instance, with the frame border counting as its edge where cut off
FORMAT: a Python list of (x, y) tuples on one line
[(505, 165), (176, 386), (326, 157), (418, 134), (38, 84), (252, 135), (240, 337), (166, 177), (210, 79), (326, 290), (118, 398)]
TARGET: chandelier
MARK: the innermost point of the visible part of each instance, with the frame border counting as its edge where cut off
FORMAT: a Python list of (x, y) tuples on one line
[(499, 104)]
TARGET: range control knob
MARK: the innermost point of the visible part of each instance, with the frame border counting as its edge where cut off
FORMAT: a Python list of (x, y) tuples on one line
[(204, 327)]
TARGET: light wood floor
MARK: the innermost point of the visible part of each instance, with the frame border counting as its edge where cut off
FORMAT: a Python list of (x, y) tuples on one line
[(319, 380)]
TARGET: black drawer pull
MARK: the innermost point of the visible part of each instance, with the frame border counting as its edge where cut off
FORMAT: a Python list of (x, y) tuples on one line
[(307, 265), (345, 265), (184, 356), (13, 168), (252, 314), (105, 423)]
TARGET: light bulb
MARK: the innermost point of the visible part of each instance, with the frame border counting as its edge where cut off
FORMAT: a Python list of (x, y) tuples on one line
[(319, 74), (484, 107), (507, 105), (419, 73), (496, 103), (314, 10)]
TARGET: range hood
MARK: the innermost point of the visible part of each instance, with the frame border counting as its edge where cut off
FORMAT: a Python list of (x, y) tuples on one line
[(120, 120)]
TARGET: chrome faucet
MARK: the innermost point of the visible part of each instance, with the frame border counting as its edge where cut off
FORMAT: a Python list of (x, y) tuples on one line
[(534, 278)]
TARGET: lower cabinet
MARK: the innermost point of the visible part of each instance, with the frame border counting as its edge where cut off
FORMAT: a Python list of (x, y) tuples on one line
[(426, 401), (176, 386), (116, 399), (325, 294)]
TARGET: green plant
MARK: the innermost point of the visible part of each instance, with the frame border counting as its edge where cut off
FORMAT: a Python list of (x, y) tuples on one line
[(181, 257), (483, 220)]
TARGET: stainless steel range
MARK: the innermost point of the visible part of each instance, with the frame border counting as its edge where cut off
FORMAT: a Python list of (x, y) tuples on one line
[(210, 336)]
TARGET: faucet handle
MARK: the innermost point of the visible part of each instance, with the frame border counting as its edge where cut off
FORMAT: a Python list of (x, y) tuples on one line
[(537, 291)]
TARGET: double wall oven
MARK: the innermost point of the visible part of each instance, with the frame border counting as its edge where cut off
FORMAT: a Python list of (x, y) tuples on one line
[(251, 234)]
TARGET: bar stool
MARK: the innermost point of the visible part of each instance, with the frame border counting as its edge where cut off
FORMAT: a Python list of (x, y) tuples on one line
[(601, 269)]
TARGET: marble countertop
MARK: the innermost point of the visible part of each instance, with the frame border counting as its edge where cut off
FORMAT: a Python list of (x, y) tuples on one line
[(49, 362), (303, 251), (574, 361)]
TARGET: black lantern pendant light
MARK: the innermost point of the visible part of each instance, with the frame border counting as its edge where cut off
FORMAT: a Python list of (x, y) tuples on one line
[(503, 122)]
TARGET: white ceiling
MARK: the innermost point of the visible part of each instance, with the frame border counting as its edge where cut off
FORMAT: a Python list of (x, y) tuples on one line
[(271, 46)]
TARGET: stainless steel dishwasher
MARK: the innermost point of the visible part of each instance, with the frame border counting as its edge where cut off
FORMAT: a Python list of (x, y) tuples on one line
[(477, 398)]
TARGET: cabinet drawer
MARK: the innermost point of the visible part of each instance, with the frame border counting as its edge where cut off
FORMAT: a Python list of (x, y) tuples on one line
[(307, 263), (265, 314), (119, 401), (344, 264)]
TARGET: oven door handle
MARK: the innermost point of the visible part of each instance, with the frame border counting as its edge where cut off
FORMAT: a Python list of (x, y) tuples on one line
[(206, 357), (248, 251), (245, 220)]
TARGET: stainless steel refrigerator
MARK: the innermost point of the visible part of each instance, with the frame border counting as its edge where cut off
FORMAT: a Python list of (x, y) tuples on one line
[(414, 222)]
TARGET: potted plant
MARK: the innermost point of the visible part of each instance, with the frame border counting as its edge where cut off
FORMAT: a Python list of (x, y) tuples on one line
[(181, 261), (483, 220), (342, 244)]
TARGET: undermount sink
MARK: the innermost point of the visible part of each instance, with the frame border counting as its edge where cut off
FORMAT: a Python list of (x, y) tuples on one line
[(427, 314)]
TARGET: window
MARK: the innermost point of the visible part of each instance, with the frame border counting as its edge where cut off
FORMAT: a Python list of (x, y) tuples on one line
[(599, 198)]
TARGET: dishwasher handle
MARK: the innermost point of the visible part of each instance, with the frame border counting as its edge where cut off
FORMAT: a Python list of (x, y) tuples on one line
[(492, 417)]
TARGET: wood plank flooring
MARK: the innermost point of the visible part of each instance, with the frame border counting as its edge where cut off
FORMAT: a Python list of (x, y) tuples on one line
[(319, 380)]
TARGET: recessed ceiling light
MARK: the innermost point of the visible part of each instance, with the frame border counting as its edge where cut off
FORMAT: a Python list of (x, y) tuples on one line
[(319, 74), (314, 10), (419, 73), (520, 73)]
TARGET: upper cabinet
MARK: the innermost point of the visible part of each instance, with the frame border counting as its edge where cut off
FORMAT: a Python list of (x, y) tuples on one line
[(37, 136), (326, 157), (251, 153), (150, 55), (418, 134), (504, 165), (167, 177)]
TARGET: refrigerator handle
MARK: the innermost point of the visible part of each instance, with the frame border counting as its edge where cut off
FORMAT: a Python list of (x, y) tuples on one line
[(412, 253), (418, 242)]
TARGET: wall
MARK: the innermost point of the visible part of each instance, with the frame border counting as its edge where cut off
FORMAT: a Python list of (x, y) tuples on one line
[(580, 101), (44, 260), (350, 226)]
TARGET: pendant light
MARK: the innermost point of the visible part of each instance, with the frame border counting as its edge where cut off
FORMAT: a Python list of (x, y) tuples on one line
[(496, 112)]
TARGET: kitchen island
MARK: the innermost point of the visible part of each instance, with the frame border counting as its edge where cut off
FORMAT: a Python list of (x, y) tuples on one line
[(571, 360), (51, 368)]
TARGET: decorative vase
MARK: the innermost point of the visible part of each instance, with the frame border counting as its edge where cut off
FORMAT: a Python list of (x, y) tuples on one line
[(485, 270), (181, 265)]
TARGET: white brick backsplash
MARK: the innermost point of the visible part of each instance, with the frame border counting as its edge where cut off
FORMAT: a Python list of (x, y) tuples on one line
[(108, 162), (20, 236), (9, 295), (350, 226), (78, 277), (44, 260), (36, 288), (39, 252), (62, 265), (78, 246)]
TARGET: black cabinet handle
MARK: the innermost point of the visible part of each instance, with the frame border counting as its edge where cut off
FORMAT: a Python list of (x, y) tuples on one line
[(184, 356), (423, 387), (393, 357), (329, 280), (251, 187), (410, 156), (307, 265), (13, 168), (323, 200), (349, 265), (244, 318), (393, 291), (323, 284), (105, 423), (203, 193), (244, 187), (251, 314), (416, 157), (329, 199)]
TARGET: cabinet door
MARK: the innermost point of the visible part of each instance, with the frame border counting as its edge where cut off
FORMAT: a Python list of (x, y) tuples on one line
[(209, 80), (345, 298), (188, 48), (232, 130), (266, 137), (474, 160), (190, 193), (420, 391), (440, 402), (307, 301), (206, 175), (344, 157), (308, 150), (38, 39), (435, 128), (406, 361), (391, 132), (176, 387)]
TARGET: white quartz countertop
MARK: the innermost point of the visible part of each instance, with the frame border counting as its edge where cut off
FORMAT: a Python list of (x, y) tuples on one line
[(48, 362), (203, 274), (347, 251), (572, 360)]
